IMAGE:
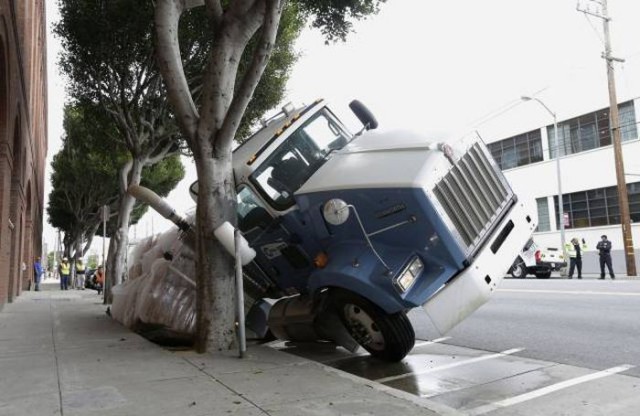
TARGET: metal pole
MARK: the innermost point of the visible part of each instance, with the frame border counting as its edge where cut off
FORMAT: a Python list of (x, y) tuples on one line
[(617, 149), (104, 251), (558, 173), (560, 203), (242, 342)]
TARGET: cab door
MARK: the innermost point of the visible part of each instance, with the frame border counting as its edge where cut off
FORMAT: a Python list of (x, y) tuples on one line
[(277, 251)]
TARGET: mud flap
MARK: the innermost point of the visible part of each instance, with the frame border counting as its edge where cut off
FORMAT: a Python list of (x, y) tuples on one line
[(329, 325)]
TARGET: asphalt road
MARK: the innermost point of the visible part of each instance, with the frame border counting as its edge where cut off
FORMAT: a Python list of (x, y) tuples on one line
[(585, 323)]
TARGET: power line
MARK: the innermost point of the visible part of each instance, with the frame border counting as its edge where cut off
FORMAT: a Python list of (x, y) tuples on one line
[(594, 28)]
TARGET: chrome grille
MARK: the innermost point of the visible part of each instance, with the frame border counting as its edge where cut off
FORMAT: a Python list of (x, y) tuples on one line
[(473, 194)]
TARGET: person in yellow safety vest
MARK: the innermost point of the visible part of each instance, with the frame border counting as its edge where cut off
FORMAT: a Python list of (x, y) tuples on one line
[(80, 269), (65, 271), (575, 249)]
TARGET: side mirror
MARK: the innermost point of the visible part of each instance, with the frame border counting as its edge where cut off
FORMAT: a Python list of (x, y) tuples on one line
[(365, 116)]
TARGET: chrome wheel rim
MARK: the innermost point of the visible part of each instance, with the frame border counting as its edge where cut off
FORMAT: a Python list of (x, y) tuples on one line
[(363, 328)]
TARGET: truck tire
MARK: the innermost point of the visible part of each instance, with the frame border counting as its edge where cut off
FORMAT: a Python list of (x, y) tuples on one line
[(543, 275), (518, 270), (388, 337)]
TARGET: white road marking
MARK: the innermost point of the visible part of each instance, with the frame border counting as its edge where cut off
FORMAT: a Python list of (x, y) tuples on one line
[(547, 390), (452, 365), (336, 360), (435, 341), (570, 292)]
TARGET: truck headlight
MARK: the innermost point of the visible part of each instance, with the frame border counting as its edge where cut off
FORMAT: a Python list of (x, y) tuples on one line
[(409, 274)]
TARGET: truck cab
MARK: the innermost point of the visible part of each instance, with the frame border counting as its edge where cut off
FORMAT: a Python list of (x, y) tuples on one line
[(367, 226)]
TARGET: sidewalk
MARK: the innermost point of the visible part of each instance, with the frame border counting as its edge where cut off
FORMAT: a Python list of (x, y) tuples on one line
[(61, 355)]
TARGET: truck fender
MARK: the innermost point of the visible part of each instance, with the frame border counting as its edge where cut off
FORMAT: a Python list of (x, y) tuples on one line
[(330, 279)]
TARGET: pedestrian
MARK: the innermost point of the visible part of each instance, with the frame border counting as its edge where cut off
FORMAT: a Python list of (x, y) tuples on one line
[(574, 249), (99, 276), (65, 271), (80, 269), (604, 250), (37, 272)]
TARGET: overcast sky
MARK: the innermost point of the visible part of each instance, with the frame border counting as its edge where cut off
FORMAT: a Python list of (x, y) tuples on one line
[(443, 68)]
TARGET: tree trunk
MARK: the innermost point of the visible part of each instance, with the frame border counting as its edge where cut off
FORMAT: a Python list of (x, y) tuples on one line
[(107, 279), (119, 243), (214, 266), (76, 255), (209, 134)]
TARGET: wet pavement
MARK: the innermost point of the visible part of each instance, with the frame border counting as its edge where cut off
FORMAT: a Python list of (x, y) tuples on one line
[(507, 378), (478, 382)]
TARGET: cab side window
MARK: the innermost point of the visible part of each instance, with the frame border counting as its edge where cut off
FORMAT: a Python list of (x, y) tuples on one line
[(251, 213)]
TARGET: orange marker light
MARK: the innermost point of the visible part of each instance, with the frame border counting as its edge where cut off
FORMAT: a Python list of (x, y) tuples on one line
[(321, 260)]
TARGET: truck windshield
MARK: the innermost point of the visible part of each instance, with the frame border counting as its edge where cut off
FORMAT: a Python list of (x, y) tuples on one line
[(302, 153)]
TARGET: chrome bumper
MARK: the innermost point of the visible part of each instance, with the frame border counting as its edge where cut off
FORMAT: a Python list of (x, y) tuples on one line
[(473, 287)]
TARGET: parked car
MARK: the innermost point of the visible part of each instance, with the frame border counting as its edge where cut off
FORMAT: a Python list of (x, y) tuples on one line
[(90, 279), (538, 261)]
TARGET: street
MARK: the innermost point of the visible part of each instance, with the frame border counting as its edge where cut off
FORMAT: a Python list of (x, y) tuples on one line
[(586, 323), (538, 347)]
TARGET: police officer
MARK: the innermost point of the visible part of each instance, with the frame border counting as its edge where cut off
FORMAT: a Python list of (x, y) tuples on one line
[(574, 249), (604, 249)]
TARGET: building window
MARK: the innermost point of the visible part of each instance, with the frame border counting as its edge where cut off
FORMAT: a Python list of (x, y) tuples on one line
[(543, 214), (628, 126), (517, 151), (591, 131), (596, 207)]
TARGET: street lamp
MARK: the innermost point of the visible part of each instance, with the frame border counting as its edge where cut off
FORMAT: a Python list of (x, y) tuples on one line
[(560, 204)]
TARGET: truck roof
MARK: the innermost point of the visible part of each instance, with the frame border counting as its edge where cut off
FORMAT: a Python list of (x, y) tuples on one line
[(251, 152), (394, 159)]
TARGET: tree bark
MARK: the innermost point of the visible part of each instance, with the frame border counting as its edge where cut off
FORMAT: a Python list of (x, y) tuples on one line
[(214, 266), (210, 134), (119, 243)]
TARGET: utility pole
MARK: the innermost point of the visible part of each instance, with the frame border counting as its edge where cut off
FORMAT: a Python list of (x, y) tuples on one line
[(58, 255), (623, 199)]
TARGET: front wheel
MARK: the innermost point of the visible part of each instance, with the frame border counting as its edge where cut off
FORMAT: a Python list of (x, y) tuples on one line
[(388, 337), (519, 270)]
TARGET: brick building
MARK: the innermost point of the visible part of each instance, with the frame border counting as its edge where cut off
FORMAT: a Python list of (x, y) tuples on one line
[(23, 141)]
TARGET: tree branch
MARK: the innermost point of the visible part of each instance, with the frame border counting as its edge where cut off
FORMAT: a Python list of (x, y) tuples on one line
[(124, 175), (160, 155), (240, 8), (91, 232), (222, 68), (214, 10), (250, 81), (167, 16)]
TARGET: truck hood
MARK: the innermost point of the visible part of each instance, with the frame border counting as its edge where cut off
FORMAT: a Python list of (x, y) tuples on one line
[(396, 159)]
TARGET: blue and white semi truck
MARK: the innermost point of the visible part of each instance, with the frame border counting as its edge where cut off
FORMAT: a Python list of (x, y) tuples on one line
[(365, 227)]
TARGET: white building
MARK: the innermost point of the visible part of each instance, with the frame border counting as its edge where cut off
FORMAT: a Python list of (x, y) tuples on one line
[(588, 175)]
